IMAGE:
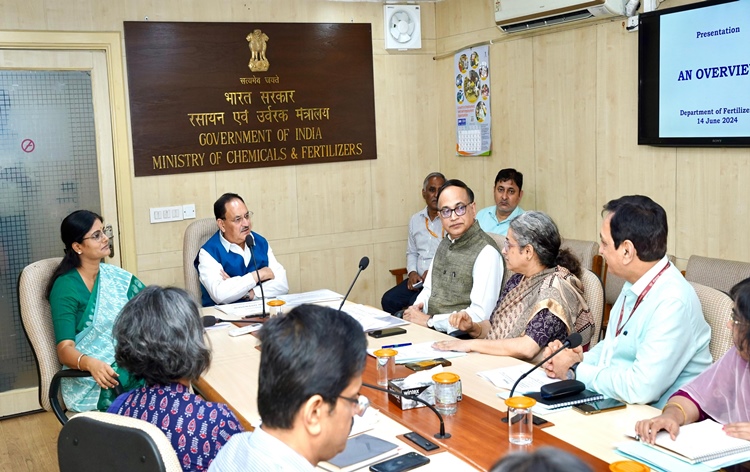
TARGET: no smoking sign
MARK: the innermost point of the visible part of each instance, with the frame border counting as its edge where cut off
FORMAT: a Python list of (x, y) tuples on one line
[(28, 145)]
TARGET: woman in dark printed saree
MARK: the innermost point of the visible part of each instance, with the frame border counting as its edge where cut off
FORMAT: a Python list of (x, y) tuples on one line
[(542, 301), (86, 296)]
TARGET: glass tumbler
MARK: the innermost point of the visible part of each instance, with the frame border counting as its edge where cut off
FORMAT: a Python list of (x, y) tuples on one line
[(386, 365), (520, 420)]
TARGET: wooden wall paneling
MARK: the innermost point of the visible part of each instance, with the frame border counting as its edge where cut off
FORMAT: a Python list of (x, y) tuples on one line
[(407, 150), (387, 256), (459, 23), (335, 269), (712, 194), (292, 267), (512, 106), (169, 190), (334, 198), (565, 122), (624, 167), (270, 193)]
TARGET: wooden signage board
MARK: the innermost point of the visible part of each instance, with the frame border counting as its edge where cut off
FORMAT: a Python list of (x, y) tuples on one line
[(201, 101)]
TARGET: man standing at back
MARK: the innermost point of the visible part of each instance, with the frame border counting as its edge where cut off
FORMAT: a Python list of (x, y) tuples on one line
[(425, 233), (467, 271), (508, 192), (231, 261), (657, 339), (311, 366)]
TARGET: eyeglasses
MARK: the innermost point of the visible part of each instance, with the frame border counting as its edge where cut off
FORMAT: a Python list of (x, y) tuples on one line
[(736, 318), (460, 210), (361, 403), (507, 245), (97, 236), (238, 219)]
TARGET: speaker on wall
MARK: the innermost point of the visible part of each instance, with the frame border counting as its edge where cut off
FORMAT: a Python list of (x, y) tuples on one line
[(402, 27)]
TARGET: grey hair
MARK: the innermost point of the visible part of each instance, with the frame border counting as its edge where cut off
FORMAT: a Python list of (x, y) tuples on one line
[(537, 229), (159, 336), (545, 459), (431, 175)]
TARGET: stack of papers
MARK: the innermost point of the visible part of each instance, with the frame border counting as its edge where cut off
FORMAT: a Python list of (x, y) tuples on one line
[(703, 443), (238, 311), (420, 352), (505, 377), (372, 319)]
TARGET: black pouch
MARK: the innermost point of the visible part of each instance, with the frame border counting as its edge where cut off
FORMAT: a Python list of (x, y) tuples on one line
[(561, 389)]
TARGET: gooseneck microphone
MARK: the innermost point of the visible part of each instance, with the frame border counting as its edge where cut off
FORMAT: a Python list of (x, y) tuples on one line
[(572, 341), (440, 435), (363, 263), (250, 241), (210, 320)]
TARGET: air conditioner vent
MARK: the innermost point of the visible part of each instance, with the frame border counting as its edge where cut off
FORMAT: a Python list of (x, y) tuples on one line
[(549, 21)]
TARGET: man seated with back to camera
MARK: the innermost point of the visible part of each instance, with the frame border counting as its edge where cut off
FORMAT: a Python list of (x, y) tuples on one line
[(657, 339), (311, 366), (508, 191), (228, 267), (425, 233), (467, 271)]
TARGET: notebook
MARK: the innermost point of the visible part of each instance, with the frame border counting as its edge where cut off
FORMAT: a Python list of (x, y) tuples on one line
[(568, 400), (700, 442), (360, 452)]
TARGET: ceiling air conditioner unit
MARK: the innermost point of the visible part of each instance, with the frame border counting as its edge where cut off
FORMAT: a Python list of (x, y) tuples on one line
[(520, 15)]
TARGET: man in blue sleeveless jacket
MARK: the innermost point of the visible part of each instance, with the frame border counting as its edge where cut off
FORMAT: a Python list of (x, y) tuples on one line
[(227, 263)]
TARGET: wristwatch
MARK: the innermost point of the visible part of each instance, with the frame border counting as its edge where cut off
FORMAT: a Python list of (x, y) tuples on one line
[(571, 374)]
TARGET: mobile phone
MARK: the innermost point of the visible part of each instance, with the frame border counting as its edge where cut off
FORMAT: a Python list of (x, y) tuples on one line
[(421, 441), (599, 406), (382, 333), (429, 364), (409, 461), (417, 285)]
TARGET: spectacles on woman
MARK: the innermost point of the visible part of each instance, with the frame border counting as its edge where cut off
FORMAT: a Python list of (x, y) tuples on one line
[(361, 403), (736, 318), (460, 210)]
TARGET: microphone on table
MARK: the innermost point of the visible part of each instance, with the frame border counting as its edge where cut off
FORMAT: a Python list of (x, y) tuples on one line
[(363, 263), (572, 341), (440, 435), (250, 241), (210, 320)]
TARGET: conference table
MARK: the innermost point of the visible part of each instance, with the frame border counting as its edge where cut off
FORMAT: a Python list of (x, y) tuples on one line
[(478, 437)]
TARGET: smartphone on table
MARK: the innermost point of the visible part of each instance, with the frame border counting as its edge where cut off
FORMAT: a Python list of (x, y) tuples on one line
[(382, 333), (402, 463), (593, 408)]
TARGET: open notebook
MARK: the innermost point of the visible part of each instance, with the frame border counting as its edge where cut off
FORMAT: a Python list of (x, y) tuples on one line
[(700, 442)]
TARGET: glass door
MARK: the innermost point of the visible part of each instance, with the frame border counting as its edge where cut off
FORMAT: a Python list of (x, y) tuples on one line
[(55, 157)]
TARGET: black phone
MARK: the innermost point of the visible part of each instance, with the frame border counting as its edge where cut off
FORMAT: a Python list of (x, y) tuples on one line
[(402, 463), (382, 333), (593, 408), (421, 441)]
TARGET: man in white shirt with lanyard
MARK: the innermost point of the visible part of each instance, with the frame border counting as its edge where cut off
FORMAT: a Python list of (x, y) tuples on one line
[(657, 338), (425, 233)]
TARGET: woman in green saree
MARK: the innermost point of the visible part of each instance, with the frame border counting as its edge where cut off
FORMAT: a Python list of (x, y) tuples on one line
[(86, 296)]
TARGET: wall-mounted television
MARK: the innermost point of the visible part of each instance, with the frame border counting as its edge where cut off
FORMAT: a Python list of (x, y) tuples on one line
[(694, 75)]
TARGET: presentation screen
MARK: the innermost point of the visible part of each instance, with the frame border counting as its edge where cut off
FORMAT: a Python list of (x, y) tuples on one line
[(694, 75)]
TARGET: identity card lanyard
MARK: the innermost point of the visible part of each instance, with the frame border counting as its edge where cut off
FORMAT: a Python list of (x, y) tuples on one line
[(638, 300), (427, 225)]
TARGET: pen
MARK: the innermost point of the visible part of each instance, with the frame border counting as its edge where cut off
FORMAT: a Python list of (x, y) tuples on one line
[(395, 345)]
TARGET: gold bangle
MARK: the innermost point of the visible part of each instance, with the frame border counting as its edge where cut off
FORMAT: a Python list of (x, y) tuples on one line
[(684, 415), (78, 362), (481, 330)]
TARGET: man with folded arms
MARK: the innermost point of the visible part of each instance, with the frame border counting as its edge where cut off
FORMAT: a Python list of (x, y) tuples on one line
[(508, 192), (229, 268), (425, 233), (657, 338), (311, 366), (467, 271)]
